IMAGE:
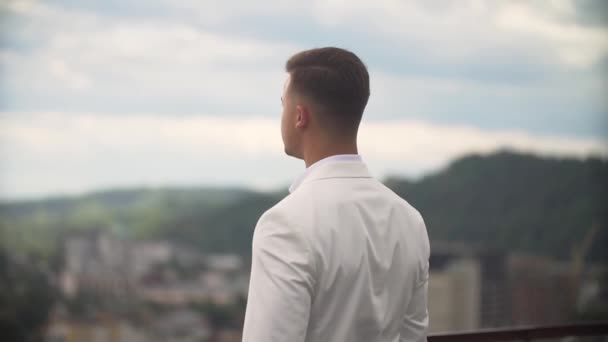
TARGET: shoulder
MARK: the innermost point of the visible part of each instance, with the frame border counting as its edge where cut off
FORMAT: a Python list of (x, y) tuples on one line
[(286, 218), (294, 209), (290, 220), (281, 235)]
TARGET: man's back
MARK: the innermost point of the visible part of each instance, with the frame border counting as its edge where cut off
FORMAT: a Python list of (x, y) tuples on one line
[(343, 259)]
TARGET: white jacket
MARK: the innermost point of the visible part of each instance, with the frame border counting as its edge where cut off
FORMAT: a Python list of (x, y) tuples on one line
[(341, 259)]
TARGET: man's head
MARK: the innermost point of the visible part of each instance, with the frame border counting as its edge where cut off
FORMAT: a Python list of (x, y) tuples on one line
[(324, 98)]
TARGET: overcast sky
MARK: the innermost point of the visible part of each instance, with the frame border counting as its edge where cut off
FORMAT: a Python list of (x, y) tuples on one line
[(119, 93)]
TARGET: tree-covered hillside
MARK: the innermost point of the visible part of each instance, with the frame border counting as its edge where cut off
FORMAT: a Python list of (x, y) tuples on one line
[(505, 200), (37, 226), (515, 202)]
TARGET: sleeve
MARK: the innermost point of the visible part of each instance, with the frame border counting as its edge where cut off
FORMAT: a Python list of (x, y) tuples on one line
[(281, 283), (415, 324), (414, 327)]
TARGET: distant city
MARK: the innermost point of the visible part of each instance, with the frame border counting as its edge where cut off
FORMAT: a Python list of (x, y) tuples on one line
[(469, 289), (116, 273)]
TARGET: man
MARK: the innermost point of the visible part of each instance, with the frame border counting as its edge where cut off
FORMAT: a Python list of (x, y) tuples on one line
[(342, 258)]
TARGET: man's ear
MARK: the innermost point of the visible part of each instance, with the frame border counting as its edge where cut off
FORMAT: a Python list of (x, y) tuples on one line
[(302, 116)]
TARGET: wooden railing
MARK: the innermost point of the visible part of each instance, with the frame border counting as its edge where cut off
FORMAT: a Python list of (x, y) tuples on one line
[(524, 334)]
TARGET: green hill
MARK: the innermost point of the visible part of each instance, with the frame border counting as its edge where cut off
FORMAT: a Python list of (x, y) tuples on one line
[(505, 200), (515, 202)]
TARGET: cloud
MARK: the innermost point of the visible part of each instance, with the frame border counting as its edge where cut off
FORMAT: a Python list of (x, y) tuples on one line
[(446, 31), (55, 152), (165, 82), (462, 31), (575, 45), (494, 65), (552, 108), (68, 76)]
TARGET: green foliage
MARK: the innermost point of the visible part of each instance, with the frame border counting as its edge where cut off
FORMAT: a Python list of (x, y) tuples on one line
[(505, 200), (515, 202), (37, 226), (227, 229), (26, 298)]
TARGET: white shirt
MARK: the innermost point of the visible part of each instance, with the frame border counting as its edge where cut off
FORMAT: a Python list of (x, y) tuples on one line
[(342, 258)]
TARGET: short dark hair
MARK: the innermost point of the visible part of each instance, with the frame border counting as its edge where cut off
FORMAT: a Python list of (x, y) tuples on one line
[(334, 78)]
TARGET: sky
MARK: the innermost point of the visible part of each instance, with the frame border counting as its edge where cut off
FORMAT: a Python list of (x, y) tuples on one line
[(98, 94)]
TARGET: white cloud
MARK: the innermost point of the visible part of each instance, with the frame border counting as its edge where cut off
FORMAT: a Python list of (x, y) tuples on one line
[(80, 56), (214, 12), (429, 146), (64, 73), (454, 32), (173, 43), (465, 30), (55, 152), (575, 45), (71, 55)]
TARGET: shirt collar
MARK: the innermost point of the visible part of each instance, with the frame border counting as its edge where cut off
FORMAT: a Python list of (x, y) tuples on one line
[(328, 160)]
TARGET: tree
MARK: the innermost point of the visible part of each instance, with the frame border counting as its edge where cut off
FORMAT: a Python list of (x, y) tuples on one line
[(26, 298)]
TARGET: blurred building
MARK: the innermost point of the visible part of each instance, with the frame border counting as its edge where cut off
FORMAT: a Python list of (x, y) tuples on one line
[(543, 291), (468, 288), (100, 263), (181, 326), (454, 296), (472, 288), (100, 330), (145, 254)]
